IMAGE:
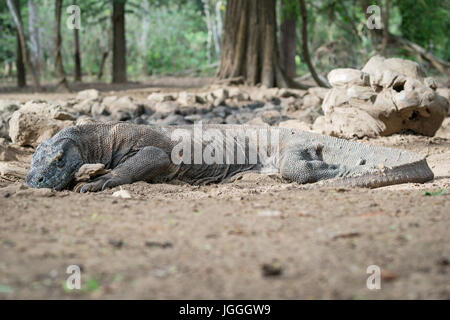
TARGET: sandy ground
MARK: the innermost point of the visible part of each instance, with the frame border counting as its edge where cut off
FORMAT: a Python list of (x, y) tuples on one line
[(256, 238)]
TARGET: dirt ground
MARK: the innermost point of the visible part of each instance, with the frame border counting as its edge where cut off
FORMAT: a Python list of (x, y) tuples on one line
[(256, 238)]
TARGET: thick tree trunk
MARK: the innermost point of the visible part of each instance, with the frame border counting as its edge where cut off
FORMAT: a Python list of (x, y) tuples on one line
[(119, 42), (34, 37), (250, 48), (20, 65), (58, 45), (386, 16), (23, 45), (305, 49), (77, 55), (288, 39)]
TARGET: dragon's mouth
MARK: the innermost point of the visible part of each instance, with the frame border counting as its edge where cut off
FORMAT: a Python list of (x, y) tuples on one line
[(56, 182), (67, 178)]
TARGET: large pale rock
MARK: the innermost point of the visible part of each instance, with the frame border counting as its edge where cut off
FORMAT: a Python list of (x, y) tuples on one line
[(156, 97), (387, 96), (311, 100), (10, 152), (37, 121), (188, 98), (318, 92), (7, 108), (88, 94), (348, 77), (166, 107), (85, 106), (124, 108)]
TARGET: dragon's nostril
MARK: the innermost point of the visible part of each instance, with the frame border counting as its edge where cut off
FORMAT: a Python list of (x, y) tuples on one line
[(41, 179)]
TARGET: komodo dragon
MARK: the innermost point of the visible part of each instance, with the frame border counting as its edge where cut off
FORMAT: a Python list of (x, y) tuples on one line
[(146, 153)]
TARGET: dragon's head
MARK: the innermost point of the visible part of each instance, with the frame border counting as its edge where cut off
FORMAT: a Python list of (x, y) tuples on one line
[(54, 163)]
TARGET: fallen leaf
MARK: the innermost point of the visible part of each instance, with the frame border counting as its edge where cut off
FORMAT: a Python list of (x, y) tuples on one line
[(436, 193)]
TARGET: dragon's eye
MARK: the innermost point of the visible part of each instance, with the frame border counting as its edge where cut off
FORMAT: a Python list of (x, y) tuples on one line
[(60, 162)]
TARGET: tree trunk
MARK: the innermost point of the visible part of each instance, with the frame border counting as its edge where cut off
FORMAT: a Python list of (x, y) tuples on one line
[(20, 65), (77, 55), (250, 48), (288, 39), (58, 45), (208, 21), (385, 40), (119, 42), (305, 49), (34, 37), (23, 45)]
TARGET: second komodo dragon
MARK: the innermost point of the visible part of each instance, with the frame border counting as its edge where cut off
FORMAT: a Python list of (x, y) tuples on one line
[(215, 154)]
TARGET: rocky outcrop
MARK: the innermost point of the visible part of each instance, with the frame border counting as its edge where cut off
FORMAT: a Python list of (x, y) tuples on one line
[(387, 96), (37, 121), (7, 108)]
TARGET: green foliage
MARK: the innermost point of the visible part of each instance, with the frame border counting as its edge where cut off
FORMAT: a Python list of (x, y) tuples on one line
[(427, 23), (176, 41)]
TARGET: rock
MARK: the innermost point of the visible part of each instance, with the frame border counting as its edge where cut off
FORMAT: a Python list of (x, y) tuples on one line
[(291, 104), (348, 77), (270, 116), (166, 107), (213, 120), (220, 96), (193, 118), (107, 101), (98, 108), (311, 100), (10, 152), (408, 68), (295, 93), (239, 118), (161, 97), (87, 171), (388, 96), (35, 122), (124, 108), (14, 169), (90, 94), (7, 108), (221, 111), (349, 123), (264, 94), (85, 106), (444, 92), (319, 92), (187, 98), (295, 124), (258, 121), (63, 115), (273, 269), (308, 115), (172, 119), (85, 120), (237, 94)]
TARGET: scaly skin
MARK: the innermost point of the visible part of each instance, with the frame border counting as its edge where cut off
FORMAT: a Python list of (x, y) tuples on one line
[(144, 153)]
